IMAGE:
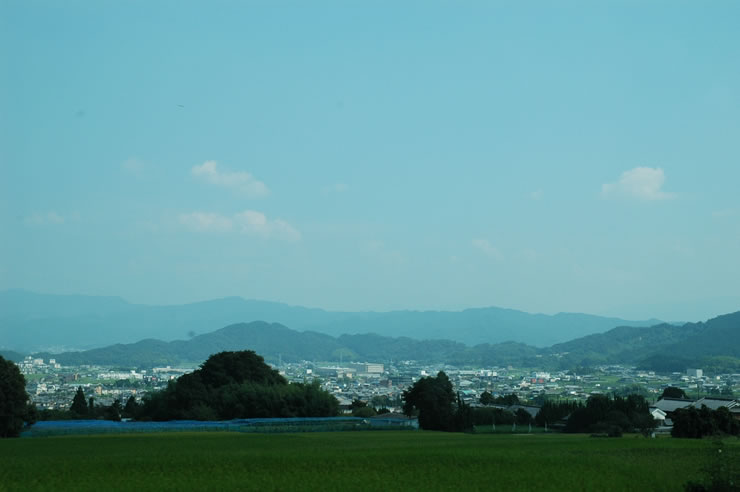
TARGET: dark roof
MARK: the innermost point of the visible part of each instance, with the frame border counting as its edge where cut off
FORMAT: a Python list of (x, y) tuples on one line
[(714, 403), (533, 411), (672, 404)]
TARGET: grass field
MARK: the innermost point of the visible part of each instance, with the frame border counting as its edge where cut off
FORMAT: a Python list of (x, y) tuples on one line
[(352, 461)]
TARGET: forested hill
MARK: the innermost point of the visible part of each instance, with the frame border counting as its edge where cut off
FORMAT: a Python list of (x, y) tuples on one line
[(33, 322), (720, 335), (272, 339), (661, 347), (276, 342)]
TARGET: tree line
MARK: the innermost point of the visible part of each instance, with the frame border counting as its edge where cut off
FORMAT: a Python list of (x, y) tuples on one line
[(228, 385), (233, 385)]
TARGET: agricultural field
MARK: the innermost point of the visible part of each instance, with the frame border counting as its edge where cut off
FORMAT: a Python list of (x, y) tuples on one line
[(387, 460)]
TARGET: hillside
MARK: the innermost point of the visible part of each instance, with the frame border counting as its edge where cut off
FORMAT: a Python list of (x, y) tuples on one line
[(273, 341), (33, 322), (661, 347)]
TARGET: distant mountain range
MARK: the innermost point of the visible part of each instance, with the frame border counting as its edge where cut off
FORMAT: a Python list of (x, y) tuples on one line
[(713, 345), (33, 322)]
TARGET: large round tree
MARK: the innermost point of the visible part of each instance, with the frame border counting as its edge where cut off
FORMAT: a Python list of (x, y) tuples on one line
[(432, 399), (15, 409)]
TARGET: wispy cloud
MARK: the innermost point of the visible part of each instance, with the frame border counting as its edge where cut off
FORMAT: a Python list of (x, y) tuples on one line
[(48, 218), (249, 222), (537, 195), (642, 183), (240, 181), (206, 222), (487, 248), (256, 223)]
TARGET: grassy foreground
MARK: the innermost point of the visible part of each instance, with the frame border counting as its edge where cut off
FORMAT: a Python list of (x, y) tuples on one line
[(350, 461)]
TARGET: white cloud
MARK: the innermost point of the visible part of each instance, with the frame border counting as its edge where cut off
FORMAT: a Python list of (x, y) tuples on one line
[(256, 223), (248, 222), (48, 218), (486, 247), (643, 183), (206, 222), (240, 180)]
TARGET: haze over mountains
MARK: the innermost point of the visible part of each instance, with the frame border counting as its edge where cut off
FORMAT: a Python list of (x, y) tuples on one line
[(714, 345), (33, 322), (145, 336)]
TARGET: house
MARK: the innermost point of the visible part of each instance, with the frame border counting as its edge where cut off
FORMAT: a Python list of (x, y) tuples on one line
[(670, 405), (658, 415), (714, 403), (532, 411)]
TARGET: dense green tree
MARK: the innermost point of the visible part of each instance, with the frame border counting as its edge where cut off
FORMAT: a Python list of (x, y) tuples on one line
[(113, 412), (486, 398), (237, 367), (463, 416), (523, 417), (437, 406), (357, 404), (492, 416), (612, 416), (15, 408), (236, 385), (696, 423), (79, 404), (379, 401), (633, 389), (510, 399), (727, 391), (552, 412), (673, 392), (361, 409), (131, 408), (432, 399), (364, 412)]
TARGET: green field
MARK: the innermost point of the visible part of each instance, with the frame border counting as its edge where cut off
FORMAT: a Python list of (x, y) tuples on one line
[(352, 461)]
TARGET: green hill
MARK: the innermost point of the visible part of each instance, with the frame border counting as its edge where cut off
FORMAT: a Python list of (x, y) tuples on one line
[(34, 322), (713, 345)]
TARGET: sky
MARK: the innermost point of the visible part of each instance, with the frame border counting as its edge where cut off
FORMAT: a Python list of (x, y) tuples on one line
[(543, 156)]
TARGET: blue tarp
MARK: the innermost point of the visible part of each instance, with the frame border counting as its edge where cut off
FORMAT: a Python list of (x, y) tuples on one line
[(62, 427)]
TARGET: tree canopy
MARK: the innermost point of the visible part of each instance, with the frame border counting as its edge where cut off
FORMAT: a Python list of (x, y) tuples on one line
[(673, 392), (433, 399), (233, 385), (15, 408), (486, 398), (696, 423), (79, 403), (603, 414)]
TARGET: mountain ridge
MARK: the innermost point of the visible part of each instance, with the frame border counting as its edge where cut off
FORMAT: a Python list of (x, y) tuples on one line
[(71, 322), (643, 346)]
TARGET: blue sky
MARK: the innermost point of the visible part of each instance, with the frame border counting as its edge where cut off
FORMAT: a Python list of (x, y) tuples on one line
[(375, 155)]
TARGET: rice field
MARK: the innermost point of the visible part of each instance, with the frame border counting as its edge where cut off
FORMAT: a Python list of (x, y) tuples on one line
[(344, 461)]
